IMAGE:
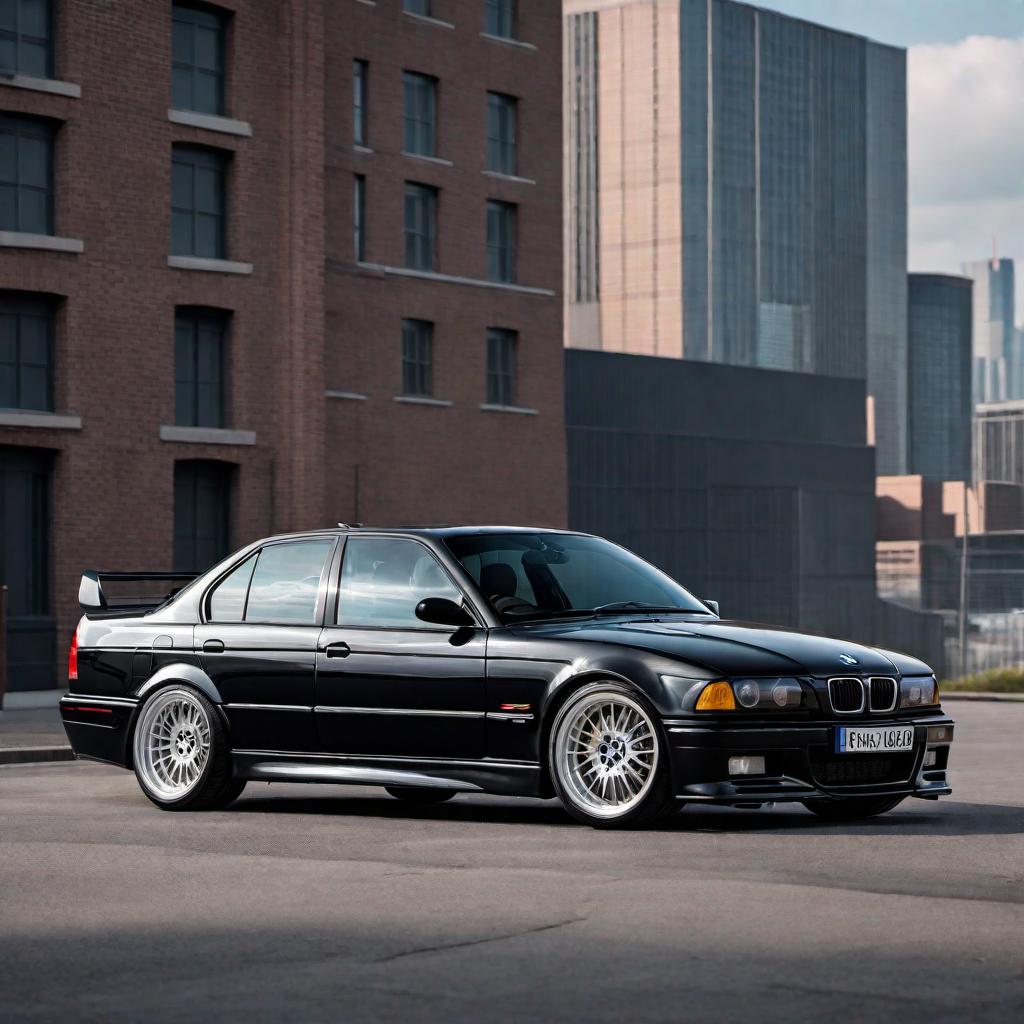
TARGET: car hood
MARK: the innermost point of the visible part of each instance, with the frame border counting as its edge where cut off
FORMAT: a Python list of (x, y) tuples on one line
[(738, 648)]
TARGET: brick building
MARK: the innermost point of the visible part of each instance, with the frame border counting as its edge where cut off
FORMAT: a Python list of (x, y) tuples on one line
[(266, 266)]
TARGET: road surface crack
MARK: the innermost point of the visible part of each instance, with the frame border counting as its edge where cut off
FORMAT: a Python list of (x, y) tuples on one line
[(442, 947)]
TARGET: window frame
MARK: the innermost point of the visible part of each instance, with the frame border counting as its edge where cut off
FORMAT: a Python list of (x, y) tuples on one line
[(360, 102), (508, 148), (244, 555), (426, 12), (218, 161), (359, 217), (198, 317), (17, 35), (17, 303), (217, 20), (420, 120), (229, 473), (502, 254), (502, 9), (431, 196), (331, 621), (28, 126), (417, 365), (499, 374)]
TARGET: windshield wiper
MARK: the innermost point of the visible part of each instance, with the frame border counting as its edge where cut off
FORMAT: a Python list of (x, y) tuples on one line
[(614, 607)]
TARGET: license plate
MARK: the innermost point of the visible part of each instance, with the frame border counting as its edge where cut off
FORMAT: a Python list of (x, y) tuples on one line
[(872, 741)]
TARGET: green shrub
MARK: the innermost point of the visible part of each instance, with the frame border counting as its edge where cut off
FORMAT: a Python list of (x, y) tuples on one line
[(995, 680)]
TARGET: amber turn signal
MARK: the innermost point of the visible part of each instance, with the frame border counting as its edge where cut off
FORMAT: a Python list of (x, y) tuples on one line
[(716, 696)]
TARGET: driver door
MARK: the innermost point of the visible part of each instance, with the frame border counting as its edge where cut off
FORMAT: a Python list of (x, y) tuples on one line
[(387, 683)]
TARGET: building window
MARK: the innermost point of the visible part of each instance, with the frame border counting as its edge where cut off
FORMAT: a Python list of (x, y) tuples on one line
[(26, 37), (197, 59), (198, 186), (500, 18), (26, 352), (200, 358), (419, 98), (202, 514), (420, 226), (359, 217), (501, 241), (501, 366), (421, 7), (360, 102), (417, 357), (501, 133), (26, 175)]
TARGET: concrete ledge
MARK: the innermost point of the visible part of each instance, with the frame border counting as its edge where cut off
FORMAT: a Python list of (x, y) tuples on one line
[(212, 266), (1013, 698), (210, 122), (508, 42), (52, 243), (514, 178), (207, 435), (432, 275), (350, 396), (428, 159), (39, 420), (516, 409), (428, 20), (35, 755), (421, 400), (50, 85)]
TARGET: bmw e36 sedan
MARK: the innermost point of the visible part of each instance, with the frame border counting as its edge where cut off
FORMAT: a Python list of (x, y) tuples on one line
[(498, 660)]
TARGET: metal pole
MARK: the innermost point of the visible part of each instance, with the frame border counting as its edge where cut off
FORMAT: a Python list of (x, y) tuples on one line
[(963, 589), (3, 644)]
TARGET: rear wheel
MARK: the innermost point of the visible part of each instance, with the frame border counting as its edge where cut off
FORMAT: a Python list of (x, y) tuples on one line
[(420, 794), (181, 754), (606, 759), (853, 808)]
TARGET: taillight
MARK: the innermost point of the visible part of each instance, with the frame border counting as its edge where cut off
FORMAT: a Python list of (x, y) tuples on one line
[(73, 658)]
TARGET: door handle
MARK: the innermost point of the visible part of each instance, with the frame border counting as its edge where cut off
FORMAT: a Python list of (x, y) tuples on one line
[(213, 646), (338, 650)]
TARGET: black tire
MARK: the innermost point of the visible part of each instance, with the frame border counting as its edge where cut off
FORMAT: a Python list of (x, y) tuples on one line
[(214, 787), (420, 794), (853, 808), (653, 800)]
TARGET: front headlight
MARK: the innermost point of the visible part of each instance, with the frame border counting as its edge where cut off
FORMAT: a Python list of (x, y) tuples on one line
[(919, 692), (761, 694)]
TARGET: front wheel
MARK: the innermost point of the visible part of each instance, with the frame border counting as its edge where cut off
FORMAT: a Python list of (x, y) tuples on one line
[(852, 808), (180, 752), (607, 760)]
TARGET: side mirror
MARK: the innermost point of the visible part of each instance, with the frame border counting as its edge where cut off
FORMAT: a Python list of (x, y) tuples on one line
[(442, 612), (713, 605)]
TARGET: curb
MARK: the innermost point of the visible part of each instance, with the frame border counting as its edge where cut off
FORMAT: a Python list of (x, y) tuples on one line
[(1013, 698), (35, 755)]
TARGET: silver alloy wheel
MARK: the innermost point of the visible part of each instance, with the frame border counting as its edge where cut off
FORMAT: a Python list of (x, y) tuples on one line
[(172, 744), (606, 754)]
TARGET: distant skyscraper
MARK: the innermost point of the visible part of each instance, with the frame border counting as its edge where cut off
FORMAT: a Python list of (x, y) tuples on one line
[(998, 366), (939, 385), (737, 192)]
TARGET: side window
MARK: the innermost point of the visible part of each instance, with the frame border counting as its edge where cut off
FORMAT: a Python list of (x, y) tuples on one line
[(384, 578), (227, 602), (286, 582)]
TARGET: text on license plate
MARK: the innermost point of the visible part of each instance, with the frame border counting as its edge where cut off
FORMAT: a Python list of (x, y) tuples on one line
[(870, 741)]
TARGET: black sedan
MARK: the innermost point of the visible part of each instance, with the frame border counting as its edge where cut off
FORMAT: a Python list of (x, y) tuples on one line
[(487, 659)]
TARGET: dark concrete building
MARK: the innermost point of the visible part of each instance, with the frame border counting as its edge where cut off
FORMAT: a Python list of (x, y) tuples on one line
[(750, 486), (264, 266), (939, 377)]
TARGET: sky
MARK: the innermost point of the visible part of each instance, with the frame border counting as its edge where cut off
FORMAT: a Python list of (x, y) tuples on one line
[(965, 99)]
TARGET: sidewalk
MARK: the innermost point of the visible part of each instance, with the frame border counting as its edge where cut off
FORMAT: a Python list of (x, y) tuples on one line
[(32, 733)]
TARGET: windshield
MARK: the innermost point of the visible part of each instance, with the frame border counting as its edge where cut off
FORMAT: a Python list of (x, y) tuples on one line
[(544, 575)]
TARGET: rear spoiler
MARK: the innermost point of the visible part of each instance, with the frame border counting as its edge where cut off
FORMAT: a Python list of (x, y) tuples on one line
[(92, 598)]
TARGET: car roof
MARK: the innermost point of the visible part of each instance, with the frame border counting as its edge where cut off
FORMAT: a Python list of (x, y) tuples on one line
[(418, 531)]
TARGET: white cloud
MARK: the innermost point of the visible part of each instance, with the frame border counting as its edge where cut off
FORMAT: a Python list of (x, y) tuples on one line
[(966, 141)]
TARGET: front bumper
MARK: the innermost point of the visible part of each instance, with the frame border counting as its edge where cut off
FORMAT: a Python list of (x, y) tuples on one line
[(800, 761)]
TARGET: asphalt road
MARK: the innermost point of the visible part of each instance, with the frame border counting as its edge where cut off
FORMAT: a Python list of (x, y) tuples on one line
[(324, 903)]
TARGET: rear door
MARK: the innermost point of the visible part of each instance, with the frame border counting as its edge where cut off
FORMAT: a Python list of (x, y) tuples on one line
[(258, 643), (388, 684)]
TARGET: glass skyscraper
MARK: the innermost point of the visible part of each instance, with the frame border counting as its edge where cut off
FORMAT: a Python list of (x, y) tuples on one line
[(998, 369), (940, 407), (746, 194)]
